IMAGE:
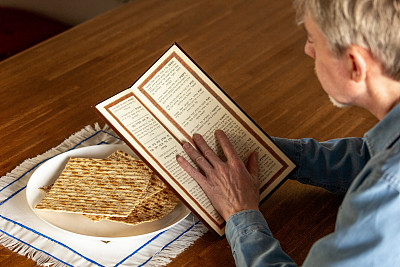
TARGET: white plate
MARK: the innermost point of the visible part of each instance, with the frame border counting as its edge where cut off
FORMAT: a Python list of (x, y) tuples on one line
[(49, 171)]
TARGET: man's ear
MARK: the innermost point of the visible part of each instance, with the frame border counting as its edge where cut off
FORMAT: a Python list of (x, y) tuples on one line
[(357, 58)]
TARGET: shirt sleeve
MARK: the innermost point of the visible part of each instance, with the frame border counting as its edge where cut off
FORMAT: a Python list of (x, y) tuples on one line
[(252, 242), (332, 164), (367, 230)]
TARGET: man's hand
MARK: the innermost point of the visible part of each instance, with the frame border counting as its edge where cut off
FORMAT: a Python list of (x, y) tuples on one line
[(230, 186)]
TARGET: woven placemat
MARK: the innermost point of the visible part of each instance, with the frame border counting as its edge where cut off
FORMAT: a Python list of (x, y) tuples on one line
[(23, 232)]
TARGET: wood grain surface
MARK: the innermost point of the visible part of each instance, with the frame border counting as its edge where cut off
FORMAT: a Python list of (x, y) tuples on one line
[(252, 49)]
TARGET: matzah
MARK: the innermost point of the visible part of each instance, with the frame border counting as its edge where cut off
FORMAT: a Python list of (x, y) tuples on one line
[(121, 155), (46, 188), (86, 182), (151, 209), (97, 187), (155, 185)]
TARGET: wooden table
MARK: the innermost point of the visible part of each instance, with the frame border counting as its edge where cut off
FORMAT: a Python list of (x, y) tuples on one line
[(252, 49)]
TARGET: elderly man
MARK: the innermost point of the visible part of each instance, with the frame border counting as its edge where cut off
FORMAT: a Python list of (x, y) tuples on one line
[(356, 48)]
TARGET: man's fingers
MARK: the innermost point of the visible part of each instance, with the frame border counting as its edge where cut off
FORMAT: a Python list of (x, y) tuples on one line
[(198, 158), (192, 171), (205, 149), (226, 145)]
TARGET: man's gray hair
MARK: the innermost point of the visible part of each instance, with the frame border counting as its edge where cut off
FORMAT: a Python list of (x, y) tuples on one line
[(372, 24)]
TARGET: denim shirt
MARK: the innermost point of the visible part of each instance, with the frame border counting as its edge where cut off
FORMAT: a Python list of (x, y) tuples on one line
[(367, 230)]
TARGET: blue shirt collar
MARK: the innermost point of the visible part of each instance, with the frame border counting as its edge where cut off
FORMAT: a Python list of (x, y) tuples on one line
[(385, 132)]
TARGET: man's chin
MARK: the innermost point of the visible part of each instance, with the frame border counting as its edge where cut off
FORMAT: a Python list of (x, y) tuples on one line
[(336, 103)]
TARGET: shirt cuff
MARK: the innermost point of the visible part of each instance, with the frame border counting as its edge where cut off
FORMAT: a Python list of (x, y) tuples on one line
[(244, 223)]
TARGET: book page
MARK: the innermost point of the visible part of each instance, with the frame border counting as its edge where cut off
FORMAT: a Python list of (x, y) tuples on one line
[(189, 104), (160, 148)]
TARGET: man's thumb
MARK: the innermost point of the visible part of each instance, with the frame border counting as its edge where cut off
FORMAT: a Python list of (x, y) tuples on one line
[(252, 164)]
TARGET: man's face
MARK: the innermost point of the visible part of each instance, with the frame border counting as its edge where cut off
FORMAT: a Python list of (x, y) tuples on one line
[(331, 71)]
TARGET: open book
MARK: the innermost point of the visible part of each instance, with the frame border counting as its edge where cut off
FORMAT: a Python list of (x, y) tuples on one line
[(170, 102)]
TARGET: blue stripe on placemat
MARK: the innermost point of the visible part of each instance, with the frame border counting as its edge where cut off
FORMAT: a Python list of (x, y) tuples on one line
[(34, 247), (176, 238), (86, 258), (12, 195), (137, 250), (45, 236)]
